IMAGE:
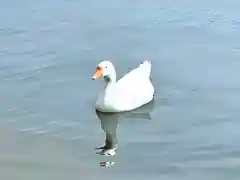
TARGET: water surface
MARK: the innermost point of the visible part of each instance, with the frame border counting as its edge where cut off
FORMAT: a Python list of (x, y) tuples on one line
[(49, 50)]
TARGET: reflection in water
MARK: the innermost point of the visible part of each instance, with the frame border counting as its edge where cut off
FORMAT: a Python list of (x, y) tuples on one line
[(109, 124)]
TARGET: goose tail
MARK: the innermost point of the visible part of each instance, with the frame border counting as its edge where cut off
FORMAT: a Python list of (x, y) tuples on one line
[(146, 66)]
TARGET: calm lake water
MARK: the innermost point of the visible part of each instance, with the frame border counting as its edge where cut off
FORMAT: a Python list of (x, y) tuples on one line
[(48, 124)]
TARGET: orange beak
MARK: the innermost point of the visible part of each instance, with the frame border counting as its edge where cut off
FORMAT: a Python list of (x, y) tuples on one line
[(98, 73)]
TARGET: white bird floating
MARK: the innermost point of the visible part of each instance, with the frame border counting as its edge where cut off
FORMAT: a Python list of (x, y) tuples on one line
[(130, 92)]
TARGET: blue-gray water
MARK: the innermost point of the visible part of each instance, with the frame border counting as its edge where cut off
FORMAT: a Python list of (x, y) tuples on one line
[(49, 50)]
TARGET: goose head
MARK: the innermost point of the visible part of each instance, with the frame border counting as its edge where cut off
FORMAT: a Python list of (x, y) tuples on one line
[(105, 69)]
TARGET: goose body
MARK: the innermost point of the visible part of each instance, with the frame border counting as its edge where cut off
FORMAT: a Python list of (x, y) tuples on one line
[(132, 91)]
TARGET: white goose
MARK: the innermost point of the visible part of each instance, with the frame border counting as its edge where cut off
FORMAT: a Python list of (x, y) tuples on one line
[(130, 92)]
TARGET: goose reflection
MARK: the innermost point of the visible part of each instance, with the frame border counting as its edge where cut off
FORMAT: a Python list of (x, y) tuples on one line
[(109, 124)]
